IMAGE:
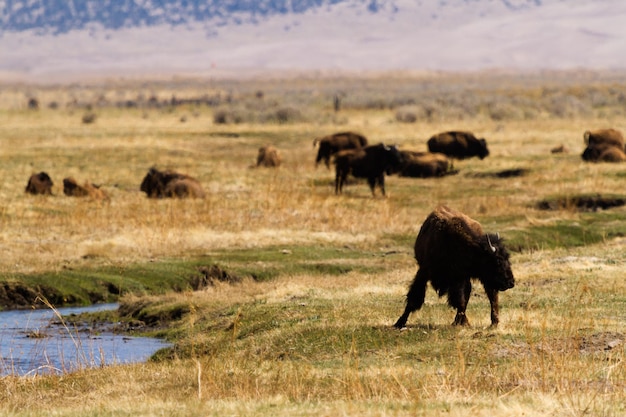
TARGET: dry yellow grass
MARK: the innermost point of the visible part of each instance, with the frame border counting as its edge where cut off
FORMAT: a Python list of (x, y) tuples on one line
[(533, 364)]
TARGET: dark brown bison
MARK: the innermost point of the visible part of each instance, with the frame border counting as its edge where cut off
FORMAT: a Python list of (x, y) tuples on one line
[(330, 145), (451, 249), (268, 156), (71, 188), (604, 145), (371, 162), (424, 164), (604, 137), (40, 183), (459, 145), (160, 184), (603, 153)]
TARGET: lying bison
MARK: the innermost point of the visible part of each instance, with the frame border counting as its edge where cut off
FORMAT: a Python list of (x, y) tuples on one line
[(268, 156), (71, 188), (330, 145), (371, 162), (604, 145), (160, 184), (452, 248), (459, 145), (611, 137), (424, 165), (40, 183), (603, 153)]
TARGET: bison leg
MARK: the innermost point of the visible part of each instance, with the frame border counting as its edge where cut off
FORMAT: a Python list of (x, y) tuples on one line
[(340, 179), (414, 298), (372, 183), (381, 183), (495, 308), (458, 298)]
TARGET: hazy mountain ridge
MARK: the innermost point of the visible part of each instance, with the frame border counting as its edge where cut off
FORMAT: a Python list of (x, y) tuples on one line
[(62, 16), (217, 37)]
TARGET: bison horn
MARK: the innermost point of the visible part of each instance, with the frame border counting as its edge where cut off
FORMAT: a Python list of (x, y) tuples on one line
[(493, 248)]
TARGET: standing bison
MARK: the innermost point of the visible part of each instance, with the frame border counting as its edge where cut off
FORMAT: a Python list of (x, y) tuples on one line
[(459, 145), (451, 249), (40, 183), (604, 145), (330, 145), (371, 162), (160, 184)]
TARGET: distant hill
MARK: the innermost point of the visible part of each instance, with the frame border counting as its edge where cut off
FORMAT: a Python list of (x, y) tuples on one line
[(48, 39)]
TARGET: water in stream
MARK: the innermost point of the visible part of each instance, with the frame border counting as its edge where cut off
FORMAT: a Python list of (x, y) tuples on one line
[(31, 344)]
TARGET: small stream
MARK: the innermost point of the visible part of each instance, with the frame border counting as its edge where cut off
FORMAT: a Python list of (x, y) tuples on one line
[(32, 344)]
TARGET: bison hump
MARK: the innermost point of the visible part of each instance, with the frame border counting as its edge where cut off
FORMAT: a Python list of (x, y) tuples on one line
[(454, 222)]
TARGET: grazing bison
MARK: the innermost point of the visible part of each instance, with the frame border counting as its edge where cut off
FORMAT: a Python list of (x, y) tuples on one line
[(71, 188), (424, 165), (459, 145), (160, 184), (452, 248), (604, 137), (371, 162), (40, 183), (330, 145), (268, 156)]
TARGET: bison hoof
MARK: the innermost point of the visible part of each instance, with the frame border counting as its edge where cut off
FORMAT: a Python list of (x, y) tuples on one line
[(460, 320), (400, 325)]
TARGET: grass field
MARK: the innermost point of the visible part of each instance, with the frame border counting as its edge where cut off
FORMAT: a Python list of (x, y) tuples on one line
[(308, 328)]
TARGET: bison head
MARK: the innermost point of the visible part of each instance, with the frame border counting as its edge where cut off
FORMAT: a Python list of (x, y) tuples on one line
[(483, 152), (495, 266), (153, 183)]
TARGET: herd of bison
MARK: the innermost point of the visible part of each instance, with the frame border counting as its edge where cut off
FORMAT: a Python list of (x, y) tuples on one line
[(450, 249)]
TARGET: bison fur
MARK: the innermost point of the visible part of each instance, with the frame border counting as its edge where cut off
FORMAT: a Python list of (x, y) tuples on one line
[(332, 144), (160, 184), (71, 188), (451, 249), (424, 164), (604, 145), (268, 156), (371, 162), (39, 183), (458, 144)]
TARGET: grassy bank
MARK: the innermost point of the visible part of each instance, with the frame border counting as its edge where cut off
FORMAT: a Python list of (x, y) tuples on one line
[(302, 324)]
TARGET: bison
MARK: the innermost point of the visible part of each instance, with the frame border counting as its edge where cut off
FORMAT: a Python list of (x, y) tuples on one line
[(451, 249), (604, 145), (40, 183), (160, 184), (603, 153), (71, 188), (604, 137), (459, 145), (371, 162), (330, 145), (424, 165), (268, 156)]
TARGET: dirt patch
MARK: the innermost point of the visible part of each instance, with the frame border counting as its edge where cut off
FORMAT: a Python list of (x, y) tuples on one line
[(209, 275), (582, 203), (507, 173), (601, 342), (15, 296)]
